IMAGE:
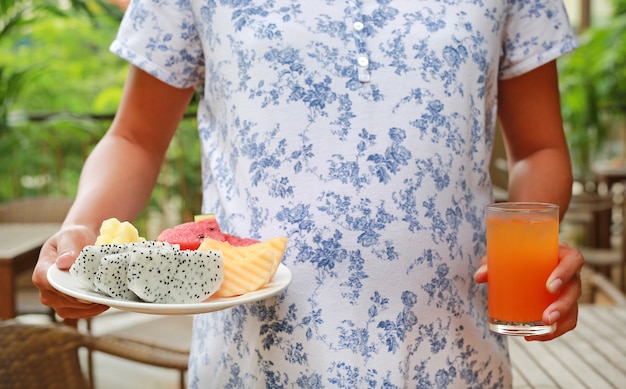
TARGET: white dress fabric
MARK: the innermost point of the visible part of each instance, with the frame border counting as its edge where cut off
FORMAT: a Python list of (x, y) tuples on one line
[(362, 130)]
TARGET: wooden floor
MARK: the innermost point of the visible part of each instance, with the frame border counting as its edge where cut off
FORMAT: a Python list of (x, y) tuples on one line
[(592, 356)]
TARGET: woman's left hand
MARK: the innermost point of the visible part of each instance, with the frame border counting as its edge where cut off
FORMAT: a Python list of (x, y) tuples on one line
[(564, 281)]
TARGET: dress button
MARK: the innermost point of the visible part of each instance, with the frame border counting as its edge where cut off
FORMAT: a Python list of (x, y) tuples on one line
[(363, 61), (358, 26)]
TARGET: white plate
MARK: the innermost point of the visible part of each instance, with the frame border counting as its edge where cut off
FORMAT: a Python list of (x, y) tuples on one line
[(64, 282)]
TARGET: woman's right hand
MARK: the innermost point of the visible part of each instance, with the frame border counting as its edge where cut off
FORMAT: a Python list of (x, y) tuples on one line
[(62, 249)]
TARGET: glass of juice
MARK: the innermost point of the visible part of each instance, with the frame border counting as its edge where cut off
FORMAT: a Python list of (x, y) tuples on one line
[(522, 251)]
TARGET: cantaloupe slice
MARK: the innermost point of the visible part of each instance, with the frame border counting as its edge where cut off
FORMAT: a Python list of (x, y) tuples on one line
[(246, 274), (247, 268)]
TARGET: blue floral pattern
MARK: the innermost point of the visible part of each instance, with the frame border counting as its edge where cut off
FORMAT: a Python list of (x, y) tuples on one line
[(362, 130)]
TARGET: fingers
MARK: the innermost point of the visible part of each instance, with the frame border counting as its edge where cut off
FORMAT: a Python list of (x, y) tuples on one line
[(481, 274), (570, 263), (47, 258), (564, 324), (62, 249), (70, 308), (565, 280), (69, 244)]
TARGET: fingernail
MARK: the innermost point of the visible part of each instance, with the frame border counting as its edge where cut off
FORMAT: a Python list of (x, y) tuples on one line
[(555, 285), (65, 258), (66, 253), (554, 317), (479, 273)]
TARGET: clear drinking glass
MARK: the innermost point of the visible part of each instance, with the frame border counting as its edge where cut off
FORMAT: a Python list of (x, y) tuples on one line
[(522, 251)]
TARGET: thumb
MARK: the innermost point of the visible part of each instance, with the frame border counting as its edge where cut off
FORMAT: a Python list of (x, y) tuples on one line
[(69, 244), (66, 258)]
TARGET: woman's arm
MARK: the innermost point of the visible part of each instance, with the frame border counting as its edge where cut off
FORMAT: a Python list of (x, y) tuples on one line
[(539, 170), (119, 175), (529, 110), (117, 178)]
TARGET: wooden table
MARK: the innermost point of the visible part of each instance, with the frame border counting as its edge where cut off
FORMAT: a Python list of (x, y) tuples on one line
[(20, 244), (593, 355)]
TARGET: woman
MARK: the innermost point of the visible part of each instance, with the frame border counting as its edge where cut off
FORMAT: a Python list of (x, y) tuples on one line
[(363, 131)]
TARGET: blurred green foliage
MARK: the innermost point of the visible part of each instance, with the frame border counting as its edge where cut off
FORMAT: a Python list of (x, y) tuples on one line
[(593, 91), (59, 89)]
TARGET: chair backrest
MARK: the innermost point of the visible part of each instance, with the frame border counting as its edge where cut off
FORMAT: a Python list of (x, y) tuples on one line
[(35, 210), (40, 356)]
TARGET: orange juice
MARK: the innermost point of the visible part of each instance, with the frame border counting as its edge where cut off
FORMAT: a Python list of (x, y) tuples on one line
[(522, 251)]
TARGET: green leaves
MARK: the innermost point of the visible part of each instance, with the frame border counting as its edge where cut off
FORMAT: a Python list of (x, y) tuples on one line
[(45, 67), (59, 88), (593, 92), (11, 84)]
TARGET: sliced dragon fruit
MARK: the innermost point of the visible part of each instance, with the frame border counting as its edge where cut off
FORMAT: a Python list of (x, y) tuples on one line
[(176, 277), (111, 277), (86, 264)]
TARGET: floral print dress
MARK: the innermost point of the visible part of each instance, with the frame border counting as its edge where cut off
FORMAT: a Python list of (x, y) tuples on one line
[(362, 130)]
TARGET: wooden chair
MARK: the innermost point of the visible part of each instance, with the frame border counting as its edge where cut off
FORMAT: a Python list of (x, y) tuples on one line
[(609, 258), (35, 356), (594, 284), (591, 213), (164, 341)]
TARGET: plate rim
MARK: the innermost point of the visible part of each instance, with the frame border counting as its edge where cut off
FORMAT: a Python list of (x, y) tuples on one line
[(281, 280)]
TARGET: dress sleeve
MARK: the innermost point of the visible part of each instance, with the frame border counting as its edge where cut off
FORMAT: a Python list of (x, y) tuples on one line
[(161, 38), (536, 32)]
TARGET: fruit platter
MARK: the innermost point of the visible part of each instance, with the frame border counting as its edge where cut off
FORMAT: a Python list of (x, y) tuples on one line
[(189, 269)]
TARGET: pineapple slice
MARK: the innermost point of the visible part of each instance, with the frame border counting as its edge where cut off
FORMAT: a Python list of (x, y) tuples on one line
[(112, 231), (247, 268)]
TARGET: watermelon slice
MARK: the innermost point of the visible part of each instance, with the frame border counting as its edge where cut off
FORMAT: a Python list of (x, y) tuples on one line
[(238, 241), (190, 235)]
